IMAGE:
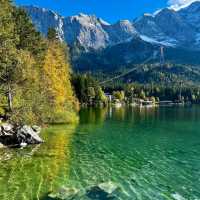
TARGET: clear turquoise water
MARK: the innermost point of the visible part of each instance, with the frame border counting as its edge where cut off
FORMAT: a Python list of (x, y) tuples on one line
[(149, 153)]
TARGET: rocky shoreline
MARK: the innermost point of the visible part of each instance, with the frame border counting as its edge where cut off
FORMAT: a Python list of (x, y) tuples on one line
[(19, 136)]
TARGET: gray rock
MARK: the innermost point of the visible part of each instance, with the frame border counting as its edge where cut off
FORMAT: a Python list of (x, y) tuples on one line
[(27, 135), (19, 136), (7, 127)]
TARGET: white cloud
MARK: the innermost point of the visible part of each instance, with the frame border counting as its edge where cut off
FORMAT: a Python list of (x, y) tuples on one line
[(178, 4)]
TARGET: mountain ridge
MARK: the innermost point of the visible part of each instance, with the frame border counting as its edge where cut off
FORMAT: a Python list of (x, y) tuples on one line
[(166, 26), (89, 30)]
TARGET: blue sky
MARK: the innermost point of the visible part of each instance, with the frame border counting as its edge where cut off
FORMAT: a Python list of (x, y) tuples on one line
[(109, 10)]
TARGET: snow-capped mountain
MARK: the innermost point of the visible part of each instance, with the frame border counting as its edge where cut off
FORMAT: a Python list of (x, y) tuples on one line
[(100, 45), (89, 31), (180, 28), (167, 27)]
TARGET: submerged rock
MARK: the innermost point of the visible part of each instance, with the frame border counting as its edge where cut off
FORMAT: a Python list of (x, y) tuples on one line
[(19, 135), (64, 194), (103, 191), (108, 187), (177, 196)]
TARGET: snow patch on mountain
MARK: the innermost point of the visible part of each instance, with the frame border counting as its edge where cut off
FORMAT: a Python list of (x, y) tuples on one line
[(180, 4), (104, 22)]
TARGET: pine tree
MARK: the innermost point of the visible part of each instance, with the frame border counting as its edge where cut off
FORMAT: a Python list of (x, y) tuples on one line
[(52, 34), (29, 39)]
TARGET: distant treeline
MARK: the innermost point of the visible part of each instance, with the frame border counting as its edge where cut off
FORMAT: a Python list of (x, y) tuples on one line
[(179, 92), (90, 91), (175, 82)]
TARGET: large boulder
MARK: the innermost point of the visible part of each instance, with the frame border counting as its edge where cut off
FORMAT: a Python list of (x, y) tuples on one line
[(11, 135), (27, 134)]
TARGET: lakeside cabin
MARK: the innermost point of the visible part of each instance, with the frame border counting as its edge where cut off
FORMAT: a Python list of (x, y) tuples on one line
[(139, 102), (148, 103), (142, 102)]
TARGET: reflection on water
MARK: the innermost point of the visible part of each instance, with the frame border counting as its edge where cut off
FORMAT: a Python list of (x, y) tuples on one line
[(31, 172), (150, 153), (92, 115)]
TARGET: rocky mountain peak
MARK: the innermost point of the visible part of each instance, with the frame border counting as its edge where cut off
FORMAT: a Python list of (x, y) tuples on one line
[(88, 30), (84, 19)]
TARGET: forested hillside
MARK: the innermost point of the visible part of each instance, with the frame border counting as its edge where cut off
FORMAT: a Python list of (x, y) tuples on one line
[(35, 72)]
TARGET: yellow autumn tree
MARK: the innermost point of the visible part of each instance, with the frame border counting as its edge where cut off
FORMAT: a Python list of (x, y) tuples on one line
[(60, 106)]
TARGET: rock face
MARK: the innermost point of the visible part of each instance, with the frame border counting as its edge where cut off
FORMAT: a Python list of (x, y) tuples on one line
[(19, 136), (45, 19), (88, 31)]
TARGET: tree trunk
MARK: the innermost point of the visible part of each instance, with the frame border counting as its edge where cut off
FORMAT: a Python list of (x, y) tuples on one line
[(10, 106)]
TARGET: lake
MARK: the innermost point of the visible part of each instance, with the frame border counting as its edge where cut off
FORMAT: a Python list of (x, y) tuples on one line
[(148, 153)]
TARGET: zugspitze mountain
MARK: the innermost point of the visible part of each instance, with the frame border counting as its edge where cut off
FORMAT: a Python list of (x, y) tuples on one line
[(167, 26)]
